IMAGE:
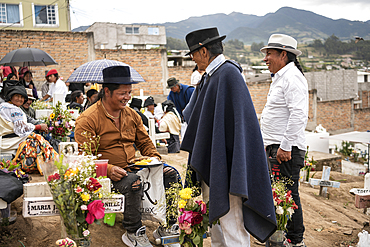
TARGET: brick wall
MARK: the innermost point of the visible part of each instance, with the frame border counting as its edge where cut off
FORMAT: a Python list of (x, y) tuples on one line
[(147, 62), (365, 99), (181, 73), (362, 119), (69, 49), (258, 92), (334, 115)]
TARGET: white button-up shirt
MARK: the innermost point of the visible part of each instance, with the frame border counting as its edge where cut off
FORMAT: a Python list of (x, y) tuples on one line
[(284, 117)]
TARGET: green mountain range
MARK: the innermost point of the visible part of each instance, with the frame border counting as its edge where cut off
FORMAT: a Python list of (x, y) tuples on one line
[(303, 25)]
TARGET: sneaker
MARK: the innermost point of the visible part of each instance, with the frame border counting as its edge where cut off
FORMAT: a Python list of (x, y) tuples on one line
[(163, 232), (287, 243), (138, 239)]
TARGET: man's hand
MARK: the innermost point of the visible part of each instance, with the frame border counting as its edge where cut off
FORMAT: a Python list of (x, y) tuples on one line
[(283, 156), (117, 173)]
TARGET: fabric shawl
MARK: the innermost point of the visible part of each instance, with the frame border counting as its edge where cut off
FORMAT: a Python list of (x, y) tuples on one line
[(225, 142), (11, 187)]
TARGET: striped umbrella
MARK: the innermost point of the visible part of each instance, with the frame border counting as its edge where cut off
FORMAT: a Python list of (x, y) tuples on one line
[(93, 72)]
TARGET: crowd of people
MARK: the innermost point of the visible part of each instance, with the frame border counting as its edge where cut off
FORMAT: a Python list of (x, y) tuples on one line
[(213, 119)]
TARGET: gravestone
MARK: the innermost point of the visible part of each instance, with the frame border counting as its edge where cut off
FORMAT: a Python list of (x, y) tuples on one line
[(324, 182)]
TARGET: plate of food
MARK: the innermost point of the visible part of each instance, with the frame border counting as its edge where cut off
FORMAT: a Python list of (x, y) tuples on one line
[(145, 162)]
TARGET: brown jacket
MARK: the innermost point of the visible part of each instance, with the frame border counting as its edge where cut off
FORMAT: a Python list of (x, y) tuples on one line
[(115, 145)]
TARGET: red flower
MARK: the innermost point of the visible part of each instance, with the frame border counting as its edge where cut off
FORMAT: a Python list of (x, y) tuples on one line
[(295, 206), (93, 185), (197, 218), (55, 176), (96, 211)]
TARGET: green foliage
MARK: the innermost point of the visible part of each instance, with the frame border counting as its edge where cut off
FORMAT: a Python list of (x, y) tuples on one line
[(176, 44), (346, 148), (256, 47)]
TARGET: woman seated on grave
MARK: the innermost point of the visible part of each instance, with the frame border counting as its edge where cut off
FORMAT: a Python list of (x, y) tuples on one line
[(171, 122), (17, 135)]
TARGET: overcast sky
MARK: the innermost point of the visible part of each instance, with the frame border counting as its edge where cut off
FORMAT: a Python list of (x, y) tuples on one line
[(86, 12)]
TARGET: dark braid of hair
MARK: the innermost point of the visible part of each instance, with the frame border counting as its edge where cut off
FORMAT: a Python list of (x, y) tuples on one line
[(293, 58)]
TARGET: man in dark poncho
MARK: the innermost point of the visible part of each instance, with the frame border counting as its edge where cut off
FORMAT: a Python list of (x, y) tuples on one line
[(225, 143)]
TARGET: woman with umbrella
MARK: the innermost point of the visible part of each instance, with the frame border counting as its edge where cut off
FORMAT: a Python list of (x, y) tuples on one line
[(17, 134)]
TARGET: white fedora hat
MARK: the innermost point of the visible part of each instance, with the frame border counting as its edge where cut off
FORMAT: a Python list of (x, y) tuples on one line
[(282, 42)]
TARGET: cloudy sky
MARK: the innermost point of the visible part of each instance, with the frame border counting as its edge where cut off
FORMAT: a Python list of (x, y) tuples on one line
[(86, 12)]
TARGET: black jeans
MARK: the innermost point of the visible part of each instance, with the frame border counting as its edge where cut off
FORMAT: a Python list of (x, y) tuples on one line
[(133, 197), (290, 169)]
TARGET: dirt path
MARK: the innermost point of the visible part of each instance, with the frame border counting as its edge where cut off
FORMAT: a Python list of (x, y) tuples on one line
[(328, 222)]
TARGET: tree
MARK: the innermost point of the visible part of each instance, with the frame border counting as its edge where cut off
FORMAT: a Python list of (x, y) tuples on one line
[(256, 47), (176, 44)]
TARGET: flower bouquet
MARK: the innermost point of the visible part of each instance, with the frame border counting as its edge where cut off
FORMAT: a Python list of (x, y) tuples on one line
[(309, 165), (284, 209), (40, 105), (14, 167), (76, 194), (193, 219), (60, 123)]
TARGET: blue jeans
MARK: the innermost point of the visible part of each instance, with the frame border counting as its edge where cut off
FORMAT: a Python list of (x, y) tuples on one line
[(290, 169)]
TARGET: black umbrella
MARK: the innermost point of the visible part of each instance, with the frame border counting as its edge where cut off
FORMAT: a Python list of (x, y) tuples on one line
[(27, 57)]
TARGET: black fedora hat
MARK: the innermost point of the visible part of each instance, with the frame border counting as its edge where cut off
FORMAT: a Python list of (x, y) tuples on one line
[(135, 102), (199, 38), (171, 82), (117, 75), (149, 101)]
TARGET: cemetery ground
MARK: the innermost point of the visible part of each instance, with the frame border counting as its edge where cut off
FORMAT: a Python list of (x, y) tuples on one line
[(329, 222)]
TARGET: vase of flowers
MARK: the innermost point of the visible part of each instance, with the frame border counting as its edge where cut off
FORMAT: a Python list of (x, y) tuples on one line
[(77, 195), (284, 209)]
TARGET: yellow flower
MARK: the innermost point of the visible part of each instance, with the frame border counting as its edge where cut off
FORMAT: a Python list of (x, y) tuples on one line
[(70, 172), (85, 197), (52, 115), (100, 195), (185, 193), (182, 203)]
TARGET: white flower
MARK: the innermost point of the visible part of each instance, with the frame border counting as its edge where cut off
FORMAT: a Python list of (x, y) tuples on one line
[(290, 211), (279, 210), (86, 233), (83, 207)]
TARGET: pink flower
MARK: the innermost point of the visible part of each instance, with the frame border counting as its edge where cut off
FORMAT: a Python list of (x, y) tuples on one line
[(185, 226), (51, 128), (186, 216), (203, 206), (56, 124), (96, 211)]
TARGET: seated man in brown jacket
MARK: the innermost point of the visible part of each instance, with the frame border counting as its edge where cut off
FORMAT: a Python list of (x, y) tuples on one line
[(119, 128)]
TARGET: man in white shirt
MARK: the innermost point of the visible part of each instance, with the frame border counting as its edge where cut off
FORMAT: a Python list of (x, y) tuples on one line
[(284, 120), (56, 85)]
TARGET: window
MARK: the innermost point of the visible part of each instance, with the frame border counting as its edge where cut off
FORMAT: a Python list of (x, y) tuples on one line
[(127, 46), (11, 13), (45, 15), (132, 30), (153, 30), (365, 78), (151, 46)]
